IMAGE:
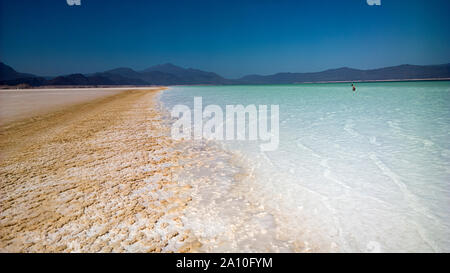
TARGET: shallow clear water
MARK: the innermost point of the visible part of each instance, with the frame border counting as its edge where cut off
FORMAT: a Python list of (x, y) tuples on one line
[(353, 172)]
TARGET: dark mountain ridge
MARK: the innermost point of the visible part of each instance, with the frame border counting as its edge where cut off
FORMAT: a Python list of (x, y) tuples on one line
[(8, 73), (401, 72), (169, 74)]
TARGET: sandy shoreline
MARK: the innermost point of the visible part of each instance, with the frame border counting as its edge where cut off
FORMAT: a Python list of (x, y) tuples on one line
[(20, 104), (79, 180), (104, 175)]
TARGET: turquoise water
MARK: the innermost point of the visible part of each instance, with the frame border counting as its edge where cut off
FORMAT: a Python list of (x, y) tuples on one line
[(353, 172)]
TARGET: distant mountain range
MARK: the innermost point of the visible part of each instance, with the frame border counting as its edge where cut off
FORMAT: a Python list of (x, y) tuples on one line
[(169, 74), (401, 72)]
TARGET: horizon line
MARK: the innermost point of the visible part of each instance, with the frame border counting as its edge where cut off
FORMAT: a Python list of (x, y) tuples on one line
[(253, 74)]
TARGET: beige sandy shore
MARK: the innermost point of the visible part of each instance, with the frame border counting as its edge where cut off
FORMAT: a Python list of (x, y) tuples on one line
[(19, 104), (83, 177)]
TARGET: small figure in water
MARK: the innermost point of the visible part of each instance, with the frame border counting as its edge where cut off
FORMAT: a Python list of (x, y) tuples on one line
[(353, 87)]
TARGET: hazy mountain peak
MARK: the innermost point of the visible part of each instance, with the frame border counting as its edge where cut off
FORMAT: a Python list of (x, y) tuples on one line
[(167, 68), (121, 69)]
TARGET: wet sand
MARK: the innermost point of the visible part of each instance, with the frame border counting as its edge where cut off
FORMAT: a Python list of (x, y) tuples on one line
[(94, 176)]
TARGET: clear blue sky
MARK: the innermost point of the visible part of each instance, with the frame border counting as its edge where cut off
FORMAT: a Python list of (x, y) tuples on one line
[(232, 38)]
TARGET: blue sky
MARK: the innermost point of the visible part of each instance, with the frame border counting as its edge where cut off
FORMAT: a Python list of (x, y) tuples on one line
[(232, 38)]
